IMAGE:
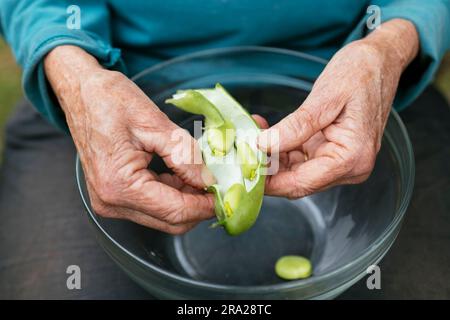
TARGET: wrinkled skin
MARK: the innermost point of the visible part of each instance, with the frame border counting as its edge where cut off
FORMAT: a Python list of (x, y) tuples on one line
[(334, 137), (116, 130)]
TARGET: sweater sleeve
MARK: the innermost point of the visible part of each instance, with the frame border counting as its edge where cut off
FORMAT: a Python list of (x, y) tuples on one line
[(34, 27), (432, 21)]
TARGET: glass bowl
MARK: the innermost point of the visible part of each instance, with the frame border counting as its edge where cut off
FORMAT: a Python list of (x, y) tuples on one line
[(343, 230)]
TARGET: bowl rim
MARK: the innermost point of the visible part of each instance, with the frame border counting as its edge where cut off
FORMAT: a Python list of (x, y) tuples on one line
[(296, 284), (222, 51)]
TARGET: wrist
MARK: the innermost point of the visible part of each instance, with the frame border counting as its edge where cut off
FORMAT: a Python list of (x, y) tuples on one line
[(397, 41), (66, 68), (69, 60)]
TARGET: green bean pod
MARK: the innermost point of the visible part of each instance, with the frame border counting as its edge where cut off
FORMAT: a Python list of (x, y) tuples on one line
[(220, 132), (229, 150)]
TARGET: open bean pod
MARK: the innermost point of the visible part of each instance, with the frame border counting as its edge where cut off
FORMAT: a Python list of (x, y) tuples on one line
[(229, 150)]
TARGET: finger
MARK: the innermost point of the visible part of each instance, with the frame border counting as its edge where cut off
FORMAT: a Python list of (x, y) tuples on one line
[(181, 153), (289, 159), (197, 207), (171, 180), (116, 212), (188, 189), (295, 157), (283, 161), (145, 219), (342, 181), (262, 123), (153, 223), (314, 114), (175, 182), (311, 146), (166, 203), (309, 177), (150, 222), (345, 180)]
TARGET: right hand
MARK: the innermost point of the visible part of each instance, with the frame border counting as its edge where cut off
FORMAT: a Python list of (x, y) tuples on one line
[(116, 129)]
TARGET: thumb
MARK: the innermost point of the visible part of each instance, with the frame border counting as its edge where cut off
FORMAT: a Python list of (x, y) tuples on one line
[(181, 153), (262, 123), (295, 129)]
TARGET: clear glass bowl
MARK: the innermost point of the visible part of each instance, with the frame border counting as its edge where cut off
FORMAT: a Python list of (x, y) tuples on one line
[(343, 230)]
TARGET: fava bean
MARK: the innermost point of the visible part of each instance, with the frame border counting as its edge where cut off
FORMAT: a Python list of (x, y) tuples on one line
[(293, 267)]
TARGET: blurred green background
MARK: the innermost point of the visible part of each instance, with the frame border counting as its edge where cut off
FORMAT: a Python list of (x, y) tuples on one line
[(10, 87)]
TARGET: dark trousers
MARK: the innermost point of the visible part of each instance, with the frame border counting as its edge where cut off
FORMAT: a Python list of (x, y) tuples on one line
[(43, 227)]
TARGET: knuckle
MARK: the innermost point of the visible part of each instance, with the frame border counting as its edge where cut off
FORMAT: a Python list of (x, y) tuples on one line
[(302, 188), (359, 159), (362, 178), (101, 210), (348, 161), (352, 160), (106, 190), (104, 194), (188, 175), (354, 157), (304, 121), (174, 215), (293, 124), (367, 166), (366, 163), (175, 218)]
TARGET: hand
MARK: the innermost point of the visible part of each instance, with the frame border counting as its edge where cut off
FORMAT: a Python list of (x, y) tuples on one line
[(334, 137), (116, 129)]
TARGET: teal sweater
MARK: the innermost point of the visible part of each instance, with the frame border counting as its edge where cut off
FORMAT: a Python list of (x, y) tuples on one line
[(130, 35)]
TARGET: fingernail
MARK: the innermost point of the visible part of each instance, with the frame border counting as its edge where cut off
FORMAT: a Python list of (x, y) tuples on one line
[(207, 177)]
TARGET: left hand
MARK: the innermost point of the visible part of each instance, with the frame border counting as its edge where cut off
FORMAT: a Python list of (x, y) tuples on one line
[(334, 137)]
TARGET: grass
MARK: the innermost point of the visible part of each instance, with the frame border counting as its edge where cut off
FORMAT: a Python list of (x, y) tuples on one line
[(11, 92), (10, 87), (442, 80)]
